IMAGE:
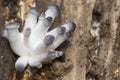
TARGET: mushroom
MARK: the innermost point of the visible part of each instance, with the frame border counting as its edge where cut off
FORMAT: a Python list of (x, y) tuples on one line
[(35, 45)]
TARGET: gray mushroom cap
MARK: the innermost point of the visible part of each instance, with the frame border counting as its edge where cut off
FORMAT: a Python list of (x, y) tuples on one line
[(61, 30), (19, 67), (55, 9), (13, 25), (49, 39), (27, 32), (34, 10), (71, 26), (47, 21)]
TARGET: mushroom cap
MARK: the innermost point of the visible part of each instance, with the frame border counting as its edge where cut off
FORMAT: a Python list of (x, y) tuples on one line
[(49, 39), (13, 25), (19, 67), (47, 21), (61, 30), (52, 11), (55, 9), (70, 25), (34, 10)]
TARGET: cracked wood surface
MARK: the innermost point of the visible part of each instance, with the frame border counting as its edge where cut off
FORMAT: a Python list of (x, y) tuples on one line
[(81, 61)]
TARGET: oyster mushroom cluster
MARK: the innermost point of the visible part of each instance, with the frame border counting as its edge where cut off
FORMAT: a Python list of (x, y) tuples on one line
[(35, 45)]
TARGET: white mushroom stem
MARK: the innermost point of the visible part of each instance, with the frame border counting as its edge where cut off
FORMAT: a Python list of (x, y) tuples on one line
[(31, 19), (14, 35), (56, 32), (16, 39), (52, 11), (27, 33), (59, 35), (35, 60), (39, 48), (59, 41), (69, 27), (42, 45), (38, 33)]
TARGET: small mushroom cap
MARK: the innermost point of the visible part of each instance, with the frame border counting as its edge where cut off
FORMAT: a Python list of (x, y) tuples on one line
[(55, 9), (27, 31), (52, 11), (19, 67), (34, 10), (61, 30), (49, 39), (13, 25), (47, 21), (70, 25)]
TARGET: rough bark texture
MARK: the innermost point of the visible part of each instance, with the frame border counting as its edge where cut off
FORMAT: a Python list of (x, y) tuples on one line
[(87, 56)]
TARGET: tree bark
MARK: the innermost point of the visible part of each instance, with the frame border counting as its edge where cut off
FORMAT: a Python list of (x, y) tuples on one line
[(92, 52)]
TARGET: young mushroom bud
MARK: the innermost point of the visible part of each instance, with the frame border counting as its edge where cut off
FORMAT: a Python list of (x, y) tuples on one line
[(21, 63), (34, 10), (43, 25), (59, 40), (31, 19), (35, 61), (16, 39), (70, 26), (61, 30), (52, 11), (12, 30), (57, 31)]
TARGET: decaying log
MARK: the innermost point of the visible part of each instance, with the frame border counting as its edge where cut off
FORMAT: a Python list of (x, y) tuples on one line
[(92, 52)]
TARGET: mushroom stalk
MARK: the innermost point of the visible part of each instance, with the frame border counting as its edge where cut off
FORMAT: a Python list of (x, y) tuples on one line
[(31, 19), (38, 33), (42, 45), (58, 41), (16, 39)]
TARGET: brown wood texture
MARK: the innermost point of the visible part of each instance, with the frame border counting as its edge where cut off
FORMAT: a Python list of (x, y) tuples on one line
[(87, 57)]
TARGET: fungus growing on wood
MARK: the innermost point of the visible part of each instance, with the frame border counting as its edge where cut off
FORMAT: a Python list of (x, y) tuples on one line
[(35, 45)]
